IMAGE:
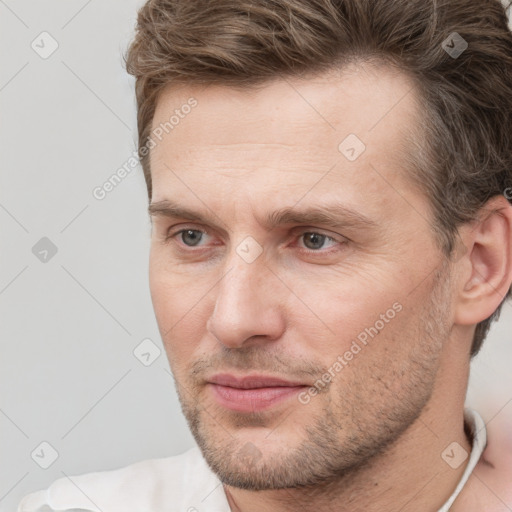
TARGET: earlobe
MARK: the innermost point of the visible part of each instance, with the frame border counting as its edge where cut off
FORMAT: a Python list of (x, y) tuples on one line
[(486, 267)]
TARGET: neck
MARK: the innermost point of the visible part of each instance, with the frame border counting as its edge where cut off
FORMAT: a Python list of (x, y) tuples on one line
[(411, 475)]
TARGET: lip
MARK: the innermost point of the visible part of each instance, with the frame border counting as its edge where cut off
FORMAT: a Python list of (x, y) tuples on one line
[(252, 381), (252, 393)]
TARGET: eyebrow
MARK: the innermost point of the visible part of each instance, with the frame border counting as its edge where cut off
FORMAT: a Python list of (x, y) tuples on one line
[(333, 215)]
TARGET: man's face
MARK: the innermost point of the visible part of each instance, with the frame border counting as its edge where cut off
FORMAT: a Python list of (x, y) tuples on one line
[(349, 310)]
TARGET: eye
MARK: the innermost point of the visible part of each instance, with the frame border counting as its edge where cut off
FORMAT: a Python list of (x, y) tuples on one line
[(315, 241), (191, 237), (310, 241), (188, 237)]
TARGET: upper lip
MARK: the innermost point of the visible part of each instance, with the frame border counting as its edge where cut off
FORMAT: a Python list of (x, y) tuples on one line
[(251, 381)]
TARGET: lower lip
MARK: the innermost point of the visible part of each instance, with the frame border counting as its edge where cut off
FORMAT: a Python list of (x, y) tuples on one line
[(252, 400)]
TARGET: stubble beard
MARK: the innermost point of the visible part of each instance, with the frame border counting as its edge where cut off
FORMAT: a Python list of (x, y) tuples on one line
[(348, 434)]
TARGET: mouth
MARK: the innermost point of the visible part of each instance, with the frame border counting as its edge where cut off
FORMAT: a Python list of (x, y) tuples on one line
[(252, 393)]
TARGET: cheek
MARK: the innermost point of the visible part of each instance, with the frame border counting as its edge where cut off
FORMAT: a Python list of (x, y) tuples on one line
[(173, 292), (181, 306), (347, 307)]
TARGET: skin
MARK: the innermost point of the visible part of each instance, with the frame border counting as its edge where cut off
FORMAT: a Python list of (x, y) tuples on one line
[(373, 438), (489, 485)]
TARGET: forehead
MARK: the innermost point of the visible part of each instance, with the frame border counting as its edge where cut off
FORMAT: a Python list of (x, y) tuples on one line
[(357, 98), (286, 133)]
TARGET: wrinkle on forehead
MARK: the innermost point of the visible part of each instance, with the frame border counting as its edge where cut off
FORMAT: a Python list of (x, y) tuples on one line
[(324, 101), (284, 137)]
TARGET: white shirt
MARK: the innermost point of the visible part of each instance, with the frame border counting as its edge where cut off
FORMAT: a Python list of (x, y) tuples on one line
[(183, 483)]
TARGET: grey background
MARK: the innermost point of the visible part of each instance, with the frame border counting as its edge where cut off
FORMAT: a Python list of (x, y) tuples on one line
[(70, 325)]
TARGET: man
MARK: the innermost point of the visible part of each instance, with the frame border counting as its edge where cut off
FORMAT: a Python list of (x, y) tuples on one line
[(331, 238)]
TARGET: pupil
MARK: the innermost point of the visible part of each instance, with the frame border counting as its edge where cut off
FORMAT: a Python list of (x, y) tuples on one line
[(194, 236), (314, 240)]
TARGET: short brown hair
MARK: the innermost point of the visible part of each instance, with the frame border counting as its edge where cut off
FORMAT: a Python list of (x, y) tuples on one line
[(465, 157)]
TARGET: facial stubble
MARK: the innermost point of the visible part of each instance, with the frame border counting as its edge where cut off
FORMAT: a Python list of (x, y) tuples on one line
[(350, 427)]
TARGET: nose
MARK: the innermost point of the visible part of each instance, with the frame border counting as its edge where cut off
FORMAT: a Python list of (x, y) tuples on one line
[(247, 308)]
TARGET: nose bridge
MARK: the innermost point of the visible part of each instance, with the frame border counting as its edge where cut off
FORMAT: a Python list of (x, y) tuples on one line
[(242, 287), (244, 304), (245, 274), (238, 282)]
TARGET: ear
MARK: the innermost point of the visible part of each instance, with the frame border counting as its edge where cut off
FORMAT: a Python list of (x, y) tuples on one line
[(485, 269)]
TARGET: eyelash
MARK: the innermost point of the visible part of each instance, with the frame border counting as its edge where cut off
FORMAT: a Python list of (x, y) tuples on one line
[(185, 247)]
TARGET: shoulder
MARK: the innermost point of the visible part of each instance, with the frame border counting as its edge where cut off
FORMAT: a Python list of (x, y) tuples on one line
[(142, 486), (489, 487), (494, 471)]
